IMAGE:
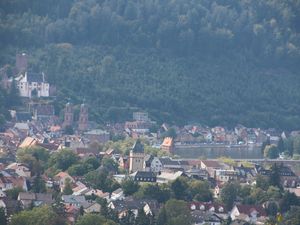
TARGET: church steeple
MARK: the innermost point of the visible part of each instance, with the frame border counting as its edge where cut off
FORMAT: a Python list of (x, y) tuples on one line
[(68, 115), (83, 118)]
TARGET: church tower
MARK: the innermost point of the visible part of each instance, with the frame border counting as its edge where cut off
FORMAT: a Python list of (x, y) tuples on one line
[(136, 157), (69, 115), (83, 118)]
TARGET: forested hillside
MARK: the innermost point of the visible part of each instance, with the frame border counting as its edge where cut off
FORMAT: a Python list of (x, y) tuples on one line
[(215, 62)]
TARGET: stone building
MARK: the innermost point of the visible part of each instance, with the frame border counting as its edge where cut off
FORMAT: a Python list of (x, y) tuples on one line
[(136, 157), (83, 118), (68, 115)]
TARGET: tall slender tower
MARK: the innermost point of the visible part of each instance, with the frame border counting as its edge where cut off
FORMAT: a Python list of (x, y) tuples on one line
[(21, 62), (83, 118), (69, 115)]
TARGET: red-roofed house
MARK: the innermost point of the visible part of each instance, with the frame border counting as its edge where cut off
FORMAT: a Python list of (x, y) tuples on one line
[(61, 178), (250, 213)]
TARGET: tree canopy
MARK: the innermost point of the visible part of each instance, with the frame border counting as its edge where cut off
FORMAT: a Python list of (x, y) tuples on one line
[(215, 62)]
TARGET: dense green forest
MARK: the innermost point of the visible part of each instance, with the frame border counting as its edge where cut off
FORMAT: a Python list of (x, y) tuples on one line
[(218, 62)]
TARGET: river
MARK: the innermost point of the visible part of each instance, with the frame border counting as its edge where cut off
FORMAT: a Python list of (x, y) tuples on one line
[(213, 151)]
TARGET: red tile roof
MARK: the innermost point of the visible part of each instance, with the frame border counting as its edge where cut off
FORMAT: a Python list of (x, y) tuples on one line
[(248, 209)]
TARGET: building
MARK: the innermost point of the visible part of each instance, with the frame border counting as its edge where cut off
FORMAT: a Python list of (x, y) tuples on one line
[(21, 62), (136, 157), (83, 118), (152, 163), (37, 199), (43, 112), (248, 213), (140, 116), (32, 84), (144, 176), (97, 135), (68, 115), (167, 145)]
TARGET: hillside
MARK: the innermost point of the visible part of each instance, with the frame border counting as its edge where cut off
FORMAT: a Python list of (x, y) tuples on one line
[(214, 62)]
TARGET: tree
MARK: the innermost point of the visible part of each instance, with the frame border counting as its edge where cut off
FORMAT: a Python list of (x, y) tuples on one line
[(67, 189), (93, 219), (288, 199), (271, 151), (129, 186), (162, 216), (161, 193), (280, 145), (272, 209), (110, 165), (13, 98), (37, 216), (38, 185), (14, 193), (296, 145), (200, 191), (3, 219), (81, 211), (36, 158), (262, 182), (128, 219), (274, 178), (100, 179), (63, 159), (228, 194), (179, 187), (141, 218), (177, 212), (293, 216)]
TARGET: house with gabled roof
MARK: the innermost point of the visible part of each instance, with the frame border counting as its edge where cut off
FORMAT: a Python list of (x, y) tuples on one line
[(144, 176), (37, 199), (210, 207), (249, 213), (19, 168), (150, 207), (61, 178), (73, 200)]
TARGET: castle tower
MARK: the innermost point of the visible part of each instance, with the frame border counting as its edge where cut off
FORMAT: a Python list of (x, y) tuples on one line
[(136, 157), (69, 115), (168, 145), (83, 118), (21, 62)]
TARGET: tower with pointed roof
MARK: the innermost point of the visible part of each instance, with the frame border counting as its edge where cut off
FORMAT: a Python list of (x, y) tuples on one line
[(68, 115), (136, 157), (83, 118)]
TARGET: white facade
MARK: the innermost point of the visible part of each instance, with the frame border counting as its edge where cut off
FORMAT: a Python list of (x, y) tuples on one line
[(28, 82), (156, 165), (136, 161)]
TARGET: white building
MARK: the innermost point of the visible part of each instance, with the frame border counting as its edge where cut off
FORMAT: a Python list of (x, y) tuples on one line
[(29, 82)]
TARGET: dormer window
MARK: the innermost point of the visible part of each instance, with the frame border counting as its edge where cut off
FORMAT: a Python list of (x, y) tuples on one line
[(212, 209), (193, 207), (202, 207), (221, 209)]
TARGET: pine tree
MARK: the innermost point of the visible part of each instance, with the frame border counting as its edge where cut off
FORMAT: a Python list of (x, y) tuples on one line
[(141, 218), (68, 188), (280, 145), (162, 216), (274, 178), (3, 218)]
